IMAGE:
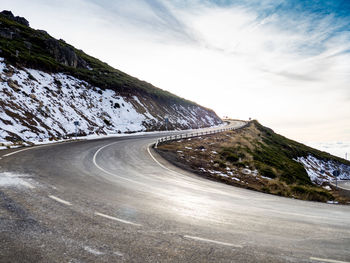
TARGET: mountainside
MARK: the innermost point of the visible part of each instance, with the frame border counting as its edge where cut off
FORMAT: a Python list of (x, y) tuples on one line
[(255, 157), (47, 84)]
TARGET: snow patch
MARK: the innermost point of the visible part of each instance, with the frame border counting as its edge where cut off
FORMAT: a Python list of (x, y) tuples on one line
[(327, 187), (246, 171), (40, 106), (332, 202), (8, 179), (321, 171)]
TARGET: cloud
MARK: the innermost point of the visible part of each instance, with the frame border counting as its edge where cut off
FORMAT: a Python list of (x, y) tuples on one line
[(285, 62)]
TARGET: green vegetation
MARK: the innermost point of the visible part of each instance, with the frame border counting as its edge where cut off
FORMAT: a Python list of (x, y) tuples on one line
[(274, 155), (24, 46), (254, 157), (229, 154), (290, 148)]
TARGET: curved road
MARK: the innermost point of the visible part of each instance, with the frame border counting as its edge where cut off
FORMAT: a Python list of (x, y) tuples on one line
[(344, 184), (113, 200)]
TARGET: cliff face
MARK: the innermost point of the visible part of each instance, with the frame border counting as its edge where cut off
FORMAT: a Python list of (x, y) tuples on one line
[(46, 85)]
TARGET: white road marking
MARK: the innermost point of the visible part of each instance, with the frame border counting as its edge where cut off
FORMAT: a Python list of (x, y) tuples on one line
[(117, 219), (118, 253), (327, 260), (105, 171), (34, 147), (9, 154), (59, 200), (161, 165), (29, 185), (93, 251), (213, 241)]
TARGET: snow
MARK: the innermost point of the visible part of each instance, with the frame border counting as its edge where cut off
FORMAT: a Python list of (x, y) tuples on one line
[(13, 180), (47, 106), (246, 171), (332, 202), (321, 171)]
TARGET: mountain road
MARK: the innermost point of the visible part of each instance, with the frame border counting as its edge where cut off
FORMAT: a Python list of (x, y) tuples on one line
[(116, 200)]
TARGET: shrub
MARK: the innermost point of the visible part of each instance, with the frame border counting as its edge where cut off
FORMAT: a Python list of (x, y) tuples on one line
[(220, 163), (229, 155), (267, 172), (312, 193)]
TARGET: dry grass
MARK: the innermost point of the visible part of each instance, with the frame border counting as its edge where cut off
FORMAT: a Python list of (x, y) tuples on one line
[(231, 157)]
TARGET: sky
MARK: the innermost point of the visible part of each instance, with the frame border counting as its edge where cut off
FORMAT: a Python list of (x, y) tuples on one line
[(285, 63)]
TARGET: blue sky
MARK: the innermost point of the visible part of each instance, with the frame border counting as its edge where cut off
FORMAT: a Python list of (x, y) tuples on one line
[(286, 63)]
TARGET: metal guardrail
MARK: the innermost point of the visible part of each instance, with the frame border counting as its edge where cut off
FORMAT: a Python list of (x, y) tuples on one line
[(194, 134)]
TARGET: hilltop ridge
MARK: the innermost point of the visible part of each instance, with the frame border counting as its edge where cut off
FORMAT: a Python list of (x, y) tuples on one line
[(257, 158), (24, 46), (47, 84)]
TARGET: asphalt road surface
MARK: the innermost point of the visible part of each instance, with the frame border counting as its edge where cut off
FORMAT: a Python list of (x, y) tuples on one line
[(344, 184), (111, 200)]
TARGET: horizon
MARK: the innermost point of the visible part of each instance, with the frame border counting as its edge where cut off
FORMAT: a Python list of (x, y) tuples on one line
[(285, 63)]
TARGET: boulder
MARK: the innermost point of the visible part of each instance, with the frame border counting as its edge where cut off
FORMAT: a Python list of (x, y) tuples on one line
[(64, 54), (18, 19)]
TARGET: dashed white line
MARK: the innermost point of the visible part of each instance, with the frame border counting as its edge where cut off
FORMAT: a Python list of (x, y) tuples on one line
[(59, 200), (117, 219), (213, 241), (93, 251), (327, 260), (117, 253)]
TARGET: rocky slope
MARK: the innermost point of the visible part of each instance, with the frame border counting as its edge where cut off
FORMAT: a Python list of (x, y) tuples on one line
[(46, 85)]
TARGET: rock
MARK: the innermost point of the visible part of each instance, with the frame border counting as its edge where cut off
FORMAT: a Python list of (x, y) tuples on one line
[(28, 44), (6, 33), (18, 19), (13, 84), (42, 32), (65, 54), (22, 20)]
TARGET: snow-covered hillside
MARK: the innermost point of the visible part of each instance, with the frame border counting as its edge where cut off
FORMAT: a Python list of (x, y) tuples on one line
[(36, 106), (321, 171)]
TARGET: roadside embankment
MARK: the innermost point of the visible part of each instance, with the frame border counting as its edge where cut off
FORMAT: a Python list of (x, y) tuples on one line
[(256, 158)]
